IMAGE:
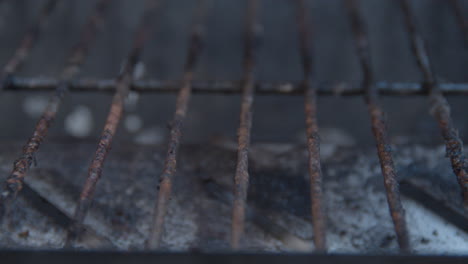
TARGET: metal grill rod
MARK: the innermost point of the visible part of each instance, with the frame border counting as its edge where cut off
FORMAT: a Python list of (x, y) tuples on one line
[(115, 114), (183, 99), (241, 178), (312, 131), (378, 126), (439, 106), (76, 58), (27, 43), (340, 88), (462, 21)]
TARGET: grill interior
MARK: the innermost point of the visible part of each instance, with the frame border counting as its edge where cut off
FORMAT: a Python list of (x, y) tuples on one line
[(284, 58)]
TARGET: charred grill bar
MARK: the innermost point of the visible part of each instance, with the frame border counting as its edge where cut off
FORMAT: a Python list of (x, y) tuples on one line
[(461, 19), (312, 131), (233, 87), (183, 98), (378, 126), (76, 58), (241, 178), (27, 43), (440, 108), (115, 114)]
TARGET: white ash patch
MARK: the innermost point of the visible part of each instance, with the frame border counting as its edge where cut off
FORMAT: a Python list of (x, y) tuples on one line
[(35, 230), (434, 236), (358, 216), (139, 71), (150, 136), (131, 101), (180, 228), (35, 105), (79, 123), (359, 220), (256, 240), (133, 123)]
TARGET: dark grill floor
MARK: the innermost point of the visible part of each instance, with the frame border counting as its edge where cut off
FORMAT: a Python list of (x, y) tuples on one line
[(197, 219)]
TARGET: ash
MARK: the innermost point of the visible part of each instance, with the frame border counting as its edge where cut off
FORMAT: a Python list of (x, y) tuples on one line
[(199, 217)]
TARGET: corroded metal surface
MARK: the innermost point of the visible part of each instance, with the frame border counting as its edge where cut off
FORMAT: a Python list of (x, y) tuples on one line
[(341, 88), (112, 121), (379, 127), (461, 19), (312, 131), (440, 108), (198, 220), (76, 58), (281, 221), (182, 103), (27, 43), (241, 177)]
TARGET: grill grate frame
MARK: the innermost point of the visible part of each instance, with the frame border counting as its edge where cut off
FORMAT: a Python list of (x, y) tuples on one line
[(248, 87)]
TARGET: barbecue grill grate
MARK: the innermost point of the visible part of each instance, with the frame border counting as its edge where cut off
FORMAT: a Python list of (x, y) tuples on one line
[(248, 87)]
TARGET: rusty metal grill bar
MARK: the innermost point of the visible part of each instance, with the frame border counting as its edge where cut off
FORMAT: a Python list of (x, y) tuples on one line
[(312, 130), (76, 58), (241, 178), (378, 126), (461, 19), (27, 43), (440, 108), (183, 99), (115, 114), (340, 88)]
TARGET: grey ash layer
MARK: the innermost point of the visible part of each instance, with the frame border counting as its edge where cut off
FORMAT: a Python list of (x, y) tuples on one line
[(199, 213)]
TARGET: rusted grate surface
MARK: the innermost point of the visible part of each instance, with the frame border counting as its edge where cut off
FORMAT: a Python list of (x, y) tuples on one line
[(199, 216), (182, 103), (308, 87)]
